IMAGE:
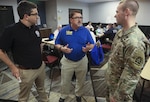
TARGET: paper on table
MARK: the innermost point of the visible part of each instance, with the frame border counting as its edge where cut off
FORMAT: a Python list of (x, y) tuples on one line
[(146, 70)]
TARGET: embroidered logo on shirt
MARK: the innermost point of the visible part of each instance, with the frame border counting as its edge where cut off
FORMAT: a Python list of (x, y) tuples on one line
[(68, 32), (37, 33)]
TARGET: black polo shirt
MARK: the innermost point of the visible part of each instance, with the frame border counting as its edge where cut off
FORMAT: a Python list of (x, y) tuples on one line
[(24, 42)]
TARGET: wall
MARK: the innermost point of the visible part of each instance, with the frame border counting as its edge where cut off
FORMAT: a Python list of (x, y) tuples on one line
[(41, 10), (143, 14), (11, 3), (105, 12), (63, 8), (51, 14), (57, 12)]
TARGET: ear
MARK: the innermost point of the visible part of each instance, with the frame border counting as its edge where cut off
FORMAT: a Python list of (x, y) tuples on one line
[(70, 19), (26, 16), (128, 12)]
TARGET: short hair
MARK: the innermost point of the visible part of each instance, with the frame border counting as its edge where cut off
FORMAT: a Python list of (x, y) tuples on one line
[(25, 7), (72, 13), (131, 4)]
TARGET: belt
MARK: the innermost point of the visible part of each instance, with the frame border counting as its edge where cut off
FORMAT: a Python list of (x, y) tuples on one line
[(74, 60), (25, 68)]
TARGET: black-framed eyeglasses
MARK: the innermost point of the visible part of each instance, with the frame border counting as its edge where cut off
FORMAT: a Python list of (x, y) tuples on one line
[(77, 17), (34, 14)]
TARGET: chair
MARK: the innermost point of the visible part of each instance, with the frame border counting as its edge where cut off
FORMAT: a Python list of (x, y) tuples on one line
[(142, 92), (107, 45), (145, 75), (51, 57)]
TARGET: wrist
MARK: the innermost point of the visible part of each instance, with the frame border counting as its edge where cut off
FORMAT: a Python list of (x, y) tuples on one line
[(60, 48), (88, 48)]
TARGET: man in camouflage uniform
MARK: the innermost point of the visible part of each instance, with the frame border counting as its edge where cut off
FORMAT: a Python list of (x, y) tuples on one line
[(127, 54)]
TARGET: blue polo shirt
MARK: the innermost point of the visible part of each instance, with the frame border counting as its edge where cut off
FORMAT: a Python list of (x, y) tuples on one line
[(76, 40)]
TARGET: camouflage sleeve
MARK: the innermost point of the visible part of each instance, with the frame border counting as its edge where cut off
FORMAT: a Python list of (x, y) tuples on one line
[(134, 60)]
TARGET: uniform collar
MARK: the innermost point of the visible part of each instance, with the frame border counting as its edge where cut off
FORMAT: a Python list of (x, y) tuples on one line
[(127, 32)]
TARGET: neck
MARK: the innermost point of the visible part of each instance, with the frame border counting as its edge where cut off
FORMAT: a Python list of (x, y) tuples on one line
[(26, 23), (129, 24), (74, 27)]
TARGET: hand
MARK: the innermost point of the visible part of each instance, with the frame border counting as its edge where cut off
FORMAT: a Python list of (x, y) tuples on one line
[(87, 48), (15, 72), (65, 49), (112, 99)]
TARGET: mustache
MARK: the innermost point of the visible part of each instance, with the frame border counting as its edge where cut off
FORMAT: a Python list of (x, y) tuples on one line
[(79, 22)]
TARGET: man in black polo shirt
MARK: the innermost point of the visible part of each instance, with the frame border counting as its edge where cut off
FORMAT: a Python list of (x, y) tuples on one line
[(24, 41)]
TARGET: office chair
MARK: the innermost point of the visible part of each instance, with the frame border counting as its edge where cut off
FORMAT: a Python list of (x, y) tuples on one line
[(51, 57)]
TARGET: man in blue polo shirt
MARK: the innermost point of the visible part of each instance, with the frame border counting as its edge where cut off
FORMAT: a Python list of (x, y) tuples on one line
[(74, 41)]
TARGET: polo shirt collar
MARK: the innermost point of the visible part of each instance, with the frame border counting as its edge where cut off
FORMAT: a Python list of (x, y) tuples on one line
[(71, 29), (24, 26)]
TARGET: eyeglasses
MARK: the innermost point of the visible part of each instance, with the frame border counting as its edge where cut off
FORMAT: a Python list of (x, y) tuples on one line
[(35, 14), (77, 17)]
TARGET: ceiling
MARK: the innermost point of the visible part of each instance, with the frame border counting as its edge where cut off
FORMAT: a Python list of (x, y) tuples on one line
[(94, 1)]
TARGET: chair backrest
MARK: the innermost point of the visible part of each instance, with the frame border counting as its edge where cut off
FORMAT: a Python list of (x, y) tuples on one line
[(106, 46), (51, 50), (51, 56)]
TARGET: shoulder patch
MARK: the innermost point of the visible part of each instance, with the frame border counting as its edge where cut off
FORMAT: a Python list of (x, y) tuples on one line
[(138, 61)]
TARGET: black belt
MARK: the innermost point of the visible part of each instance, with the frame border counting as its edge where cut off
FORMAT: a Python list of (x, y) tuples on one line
[(74, 60), (25, 68)]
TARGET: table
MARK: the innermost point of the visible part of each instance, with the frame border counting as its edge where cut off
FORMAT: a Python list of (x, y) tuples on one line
[(44, 32), (145, 74), (45, 40)]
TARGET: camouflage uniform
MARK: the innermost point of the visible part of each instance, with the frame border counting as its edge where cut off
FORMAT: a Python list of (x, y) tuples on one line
[(125, 63)]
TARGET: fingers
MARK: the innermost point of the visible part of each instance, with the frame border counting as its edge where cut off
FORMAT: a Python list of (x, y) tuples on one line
[(15, 72), (66, 49), (84, 49), (88, 43), (66, 45)]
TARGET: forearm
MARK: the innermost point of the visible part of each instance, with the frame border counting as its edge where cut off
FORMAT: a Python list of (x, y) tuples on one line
[(4, 57), (127, 84), (58, 46), (90, 46), (134, 59)]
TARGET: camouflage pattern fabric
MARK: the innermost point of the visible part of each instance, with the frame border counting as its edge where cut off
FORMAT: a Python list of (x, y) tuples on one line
[(125, 63)]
